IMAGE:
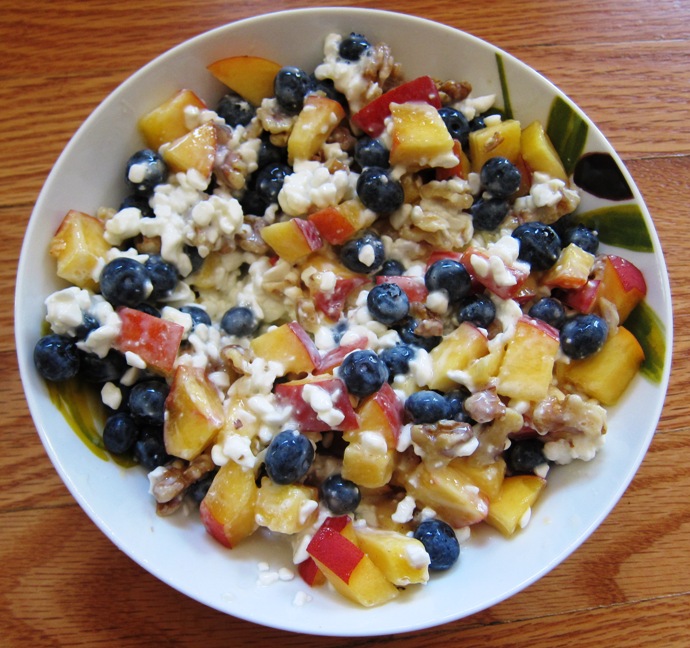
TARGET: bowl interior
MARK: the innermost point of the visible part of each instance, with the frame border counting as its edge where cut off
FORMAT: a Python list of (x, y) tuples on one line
[(89, 175)]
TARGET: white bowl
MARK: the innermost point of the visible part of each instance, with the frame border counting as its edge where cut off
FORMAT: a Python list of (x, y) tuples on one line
[(177, 550)]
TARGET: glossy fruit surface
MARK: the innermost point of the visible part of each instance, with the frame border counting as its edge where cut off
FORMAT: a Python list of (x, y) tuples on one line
[(524, 455), (489, 213), (500, 177), (427, 406), (540, 245), (120, 433), (125, 282), (388, 303), (56, 357), (147, 402), (370, 152), (235, 110), (583, 335), (440, 543), (363, 372), (478, 310), (363, 254), (198, 315), (378, 191), (352, 47), (457, 124), (397, 359), (239, 321), (144, 170), (340, 495), (291, 85), (549, 310), (449, 276), (289, 457), (163, 276)]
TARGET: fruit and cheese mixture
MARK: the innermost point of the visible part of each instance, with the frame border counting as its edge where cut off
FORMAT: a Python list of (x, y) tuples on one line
[(347, 308)]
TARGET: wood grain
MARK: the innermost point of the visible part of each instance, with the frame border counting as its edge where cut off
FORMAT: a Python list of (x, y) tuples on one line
[(62, 583)]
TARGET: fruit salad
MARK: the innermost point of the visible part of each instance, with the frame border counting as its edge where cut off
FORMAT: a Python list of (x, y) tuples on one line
[(345, 308)]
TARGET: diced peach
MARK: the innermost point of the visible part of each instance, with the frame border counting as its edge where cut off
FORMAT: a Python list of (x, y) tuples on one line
[(527, 367), (335, 357), (78, 246), (316, 121), (502, 290), (333, 225), (228, 509), (193, 413), (539, 153), (382, 412), (606, 374), (455, 352), (156, 341), (251, 77), (195, 150), (286, 508), (460, 170), (498, 140), (585, 298), (517, 496), (622, 284), (167, 122), (487, 477), (368, 460), (292, 239), (310, 572), (572, 269), (289, 345)]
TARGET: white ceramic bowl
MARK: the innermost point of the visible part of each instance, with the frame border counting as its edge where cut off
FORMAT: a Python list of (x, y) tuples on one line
[(177, 550)]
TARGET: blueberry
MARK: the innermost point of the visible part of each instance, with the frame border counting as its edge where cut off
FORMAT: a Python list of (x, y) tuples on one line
[(540, 245), (478, 310), (269, 181), (363, 254), (291, 85), (288, 457), (583, 335), (197, 491), (440, 543), (363, 372), (397, 359), (456, 406), (239, 321), (194, 256), (269, 153), (489, 213), (581, 236), (500, 177), (56, 357), (120, 433), (352, 47), (378, 191), (148, 309), (407, 330), (370, 152), (549, 310), (88, 324), (163, 276), (144, 170), (198, 315), (524, 455), (149, 449), (391, 268), (125, 282), (340, 495), (326, 88), (477, 123), (457, 125), (110, 368), (427, 406), (388, 303), (449, 276), (235, 110), (147, 402), (253, 203), (140, 202)]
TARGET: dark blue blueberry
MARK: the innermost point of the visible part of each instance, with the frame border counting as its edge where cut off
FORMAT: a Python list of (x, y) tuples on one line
[(524, 455), (363, 254), (378, 191), (479, 310), (140, 202), (583, 335), (235, 110), (253, 203), (125, 282), (120, 433), (363, 372), (144, 170), (198, 315), (147, 402), (457, 124), (340, 495), (194, 257), (270, 153), (540, 245), (56, 357), (149, 309), (477, 123), (269, 181), (149, 449), (549, 310), (370, 152), (197, 491), (407, 330), (88, 324), (440, 543), (97, 370), (450, 276), (388, 303), (500, 177), (397, 359), (239, 321), (456, 406), (291, 86), (326, 88), (489, 213), (391, 268), (339, 330), (289, 457), (163, 276), (353, 46), (581, 236), (427, 406)]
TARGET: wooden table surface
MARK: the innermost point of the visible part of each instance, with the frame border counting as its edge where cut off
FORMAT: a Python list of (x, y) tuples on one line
[(62, 583)]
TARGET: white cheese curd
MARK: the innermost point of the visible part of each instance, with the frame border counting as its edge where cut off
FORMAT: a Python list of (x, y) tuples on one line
[(234, 447), (421, 367), (417, 556), (301, 598), (312, 186), (123, 225), (322, 403), (404, 511), (65, 309), (373, 441), (473, 106), (111, 395), (135, 360)]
